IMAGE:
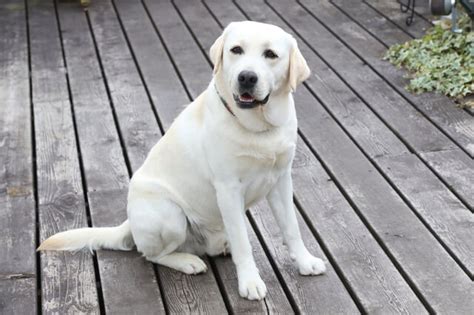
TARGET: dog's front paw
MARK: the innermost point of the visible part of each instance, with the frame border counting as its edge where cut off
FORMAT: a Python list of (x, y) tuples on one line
[(311, 266), (252, 288)]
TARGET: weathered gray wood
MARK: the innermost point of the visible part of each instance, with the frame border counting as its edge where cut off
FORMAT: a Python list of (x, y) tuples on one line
[(441, 111), (375, 22), (458, 119), (104, 165), (67, 279), (183, 293), (324, 294), (448, 217), (391, 10), (105, 168), (405, 238), (18, 294), (138, 126), (439, 107), (186, 55), (368, 270), (457, 169), (17, 204), (164, 85)]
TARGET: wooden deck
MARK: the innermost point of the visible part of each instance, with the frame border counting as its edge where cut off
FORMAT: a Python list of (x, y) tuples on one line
[(383, 178)]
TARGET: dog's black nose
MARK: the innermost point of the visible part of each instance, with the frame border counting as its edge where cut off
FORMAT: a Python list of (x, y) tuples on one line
[(247, 79)]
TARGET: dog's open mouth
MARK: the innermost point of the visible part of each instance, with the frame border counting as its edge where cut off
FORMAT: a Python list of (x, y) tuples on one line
[(247, 101)]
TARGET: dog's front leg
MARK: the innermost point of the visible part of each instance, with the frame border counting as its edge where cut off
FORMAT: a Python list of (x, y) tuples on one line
[(280, 199), (231, 204)]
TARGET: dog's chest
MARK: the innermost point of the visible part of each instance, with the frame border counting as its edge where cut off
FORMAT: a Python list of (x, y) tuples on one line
[(260, 169)]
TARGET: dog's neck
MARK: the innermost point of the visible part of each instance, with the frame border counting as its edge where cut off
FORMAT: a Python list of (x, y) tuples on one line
[(272, 115)]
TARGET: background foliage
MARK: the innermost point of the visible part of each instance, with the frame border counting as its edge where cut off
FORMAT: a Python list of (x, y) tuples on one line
[(440, 61)]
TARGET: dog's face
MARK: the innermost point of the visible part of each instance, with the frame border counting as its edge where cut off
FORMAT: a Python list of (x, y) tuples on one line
[(255, 61)]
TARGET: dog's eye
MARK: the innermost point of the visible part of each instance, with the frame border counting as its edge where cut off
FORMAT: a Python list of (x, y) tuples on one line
[(270, 54), (237, 50)]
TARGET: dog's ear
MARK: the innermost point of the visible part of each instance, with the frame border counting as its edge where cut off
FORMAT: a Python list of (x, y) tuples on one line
[(298, 69), (216, 53)]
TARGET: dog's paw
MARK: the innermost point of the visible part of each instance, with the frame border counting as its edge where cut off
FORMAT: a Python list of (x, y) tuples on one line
[(192, 265), (252, 288), (311, 266)]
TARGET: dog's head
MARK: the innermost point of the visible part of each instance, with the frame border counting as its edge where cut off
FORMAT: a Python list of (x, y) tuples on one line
[(255, 61)]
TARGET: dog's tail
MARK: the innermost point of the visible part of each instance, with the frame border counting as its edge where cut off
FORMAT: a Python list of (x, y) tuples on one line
[(119, 237)]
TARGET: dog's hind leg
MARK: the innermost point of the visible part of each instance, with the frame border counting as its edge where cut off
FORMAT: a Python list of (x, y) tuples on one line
[(159, 228)]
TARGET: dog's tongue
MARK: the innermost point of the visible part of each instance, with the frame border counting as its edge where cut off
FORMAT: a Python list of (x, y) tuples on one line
[(246, 97)]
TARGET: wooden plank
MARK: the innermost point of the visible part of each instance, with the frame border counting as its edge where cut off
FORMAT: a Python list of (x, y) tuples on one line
[(188, 58), (441, 111), (18, 294), (424, 261), (196, 74), (449, 218), (369, 291), (379, 25), (403, 236), (17, 204), (67, 279), (164, 85), (457, 169), (463, 125), (124, 276), (439, 106), (104, 165), (391, 10), (183, 293), (135, 114), (323, 294), (375, 280)]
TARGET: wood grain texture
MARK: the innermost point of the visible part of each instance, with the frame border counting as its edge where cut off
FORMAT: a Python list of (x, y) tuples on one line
[(67, 279), (17, 204), (163, 83), (135, 115), (104, 165), (439, 108), (404, 237), (373, 277), (391, 9), (124, 276), (458, 170), (18, 294), (442, 211)]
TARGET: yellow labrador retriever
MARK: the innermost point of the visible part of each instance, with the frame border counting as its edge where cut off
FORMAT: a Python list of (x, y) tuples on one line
[(230, 148)]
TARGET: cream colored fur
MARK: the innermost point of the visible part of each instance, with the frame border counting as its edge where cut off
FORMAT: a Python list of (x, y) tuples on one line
[(189, 196)]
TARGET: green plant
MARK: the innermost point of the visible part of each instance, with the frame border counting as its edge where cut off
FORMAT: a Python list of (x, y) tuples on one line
[(440, 61)]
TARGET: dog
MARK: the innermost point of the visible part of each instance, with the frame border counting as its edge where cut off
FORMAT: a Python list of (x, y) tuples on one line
[(230, 148)]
